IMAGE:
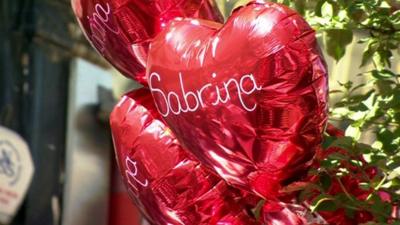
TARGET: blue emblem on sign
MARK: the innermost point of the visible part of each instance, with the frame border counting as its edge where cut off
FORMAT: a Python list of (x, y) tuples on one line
[(10, 166)]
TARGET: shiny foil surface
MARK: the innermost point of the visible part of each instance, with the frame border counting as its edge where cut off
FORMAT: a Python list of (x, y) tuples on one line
[(247, 98), (166, 184), (121, 30)]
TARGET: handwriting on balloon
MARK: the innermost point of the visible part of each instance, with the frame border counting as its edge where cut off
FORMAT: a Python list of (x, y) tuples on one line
[(132, 175), (182, 100), (100, 23)]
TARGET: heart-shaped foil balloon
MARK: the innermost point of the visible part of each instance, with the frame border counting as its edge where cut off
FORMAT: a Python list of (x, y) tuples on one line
[(166, 184), (121, 30), (248, 98)]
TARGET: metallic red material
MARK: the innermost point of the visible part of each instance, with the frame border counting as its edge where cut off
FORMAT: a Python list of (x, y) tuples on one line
[(121, 30), (248, 98), (164, 181)]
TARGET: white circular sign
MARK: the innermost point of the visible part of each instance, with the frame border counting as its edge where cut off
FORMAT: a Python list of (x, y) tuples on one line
[(16, 171)]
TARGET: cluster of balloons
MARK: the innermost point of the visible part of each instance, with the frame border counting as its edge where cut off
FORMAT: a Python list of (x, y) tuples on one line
[(229, 114)]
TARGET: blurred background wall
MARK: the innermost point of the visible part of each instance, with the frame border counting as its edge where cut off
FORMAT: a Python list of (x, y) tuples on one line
[(57, 93)]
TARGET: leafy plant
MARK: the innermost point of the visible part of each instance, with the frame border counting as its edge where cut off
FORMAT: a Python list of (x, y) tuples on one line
[(370, 109), (367, 109)]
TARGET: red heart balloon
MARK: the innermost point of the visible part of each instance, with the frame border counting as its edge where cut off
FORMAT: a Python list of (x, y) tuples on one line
[(121, 30), (168, 186), (248, 98)]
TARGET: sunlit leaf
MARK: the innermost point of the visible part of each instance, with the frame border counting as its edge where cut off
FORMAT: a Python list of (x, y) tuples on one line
[(336, 41), (323, 203), (327, 9)]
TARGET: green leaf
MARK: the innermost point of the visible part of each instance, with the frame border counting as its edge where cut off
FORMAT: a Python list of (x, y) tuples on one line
[(395, 183), (300, 6), (356, 13), (258, 208), (329, 164), (364, 186), (364, 148), (348, 85), (359, 107), (325, 181), (382, 74), (381, 58), (328, 140), (384, 87), (361, 97), (327, 9), (318, 8), (354, 132), (369, 51), (323, 202), (338, 156), (384, 5), (357, 87), (336, 41), (380, 209), (386, 137), (395, 19), (343, 142), (394, 174)]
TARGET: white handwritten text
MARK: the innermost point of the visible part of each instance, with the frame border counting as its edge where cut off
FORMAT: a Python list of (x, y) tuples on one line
[(100, 23), (198, 97), (132, 174)]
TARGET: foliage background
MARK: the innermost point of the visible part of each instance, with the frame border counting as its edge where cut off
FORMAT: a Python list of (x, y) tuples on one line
[(361, 41)]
